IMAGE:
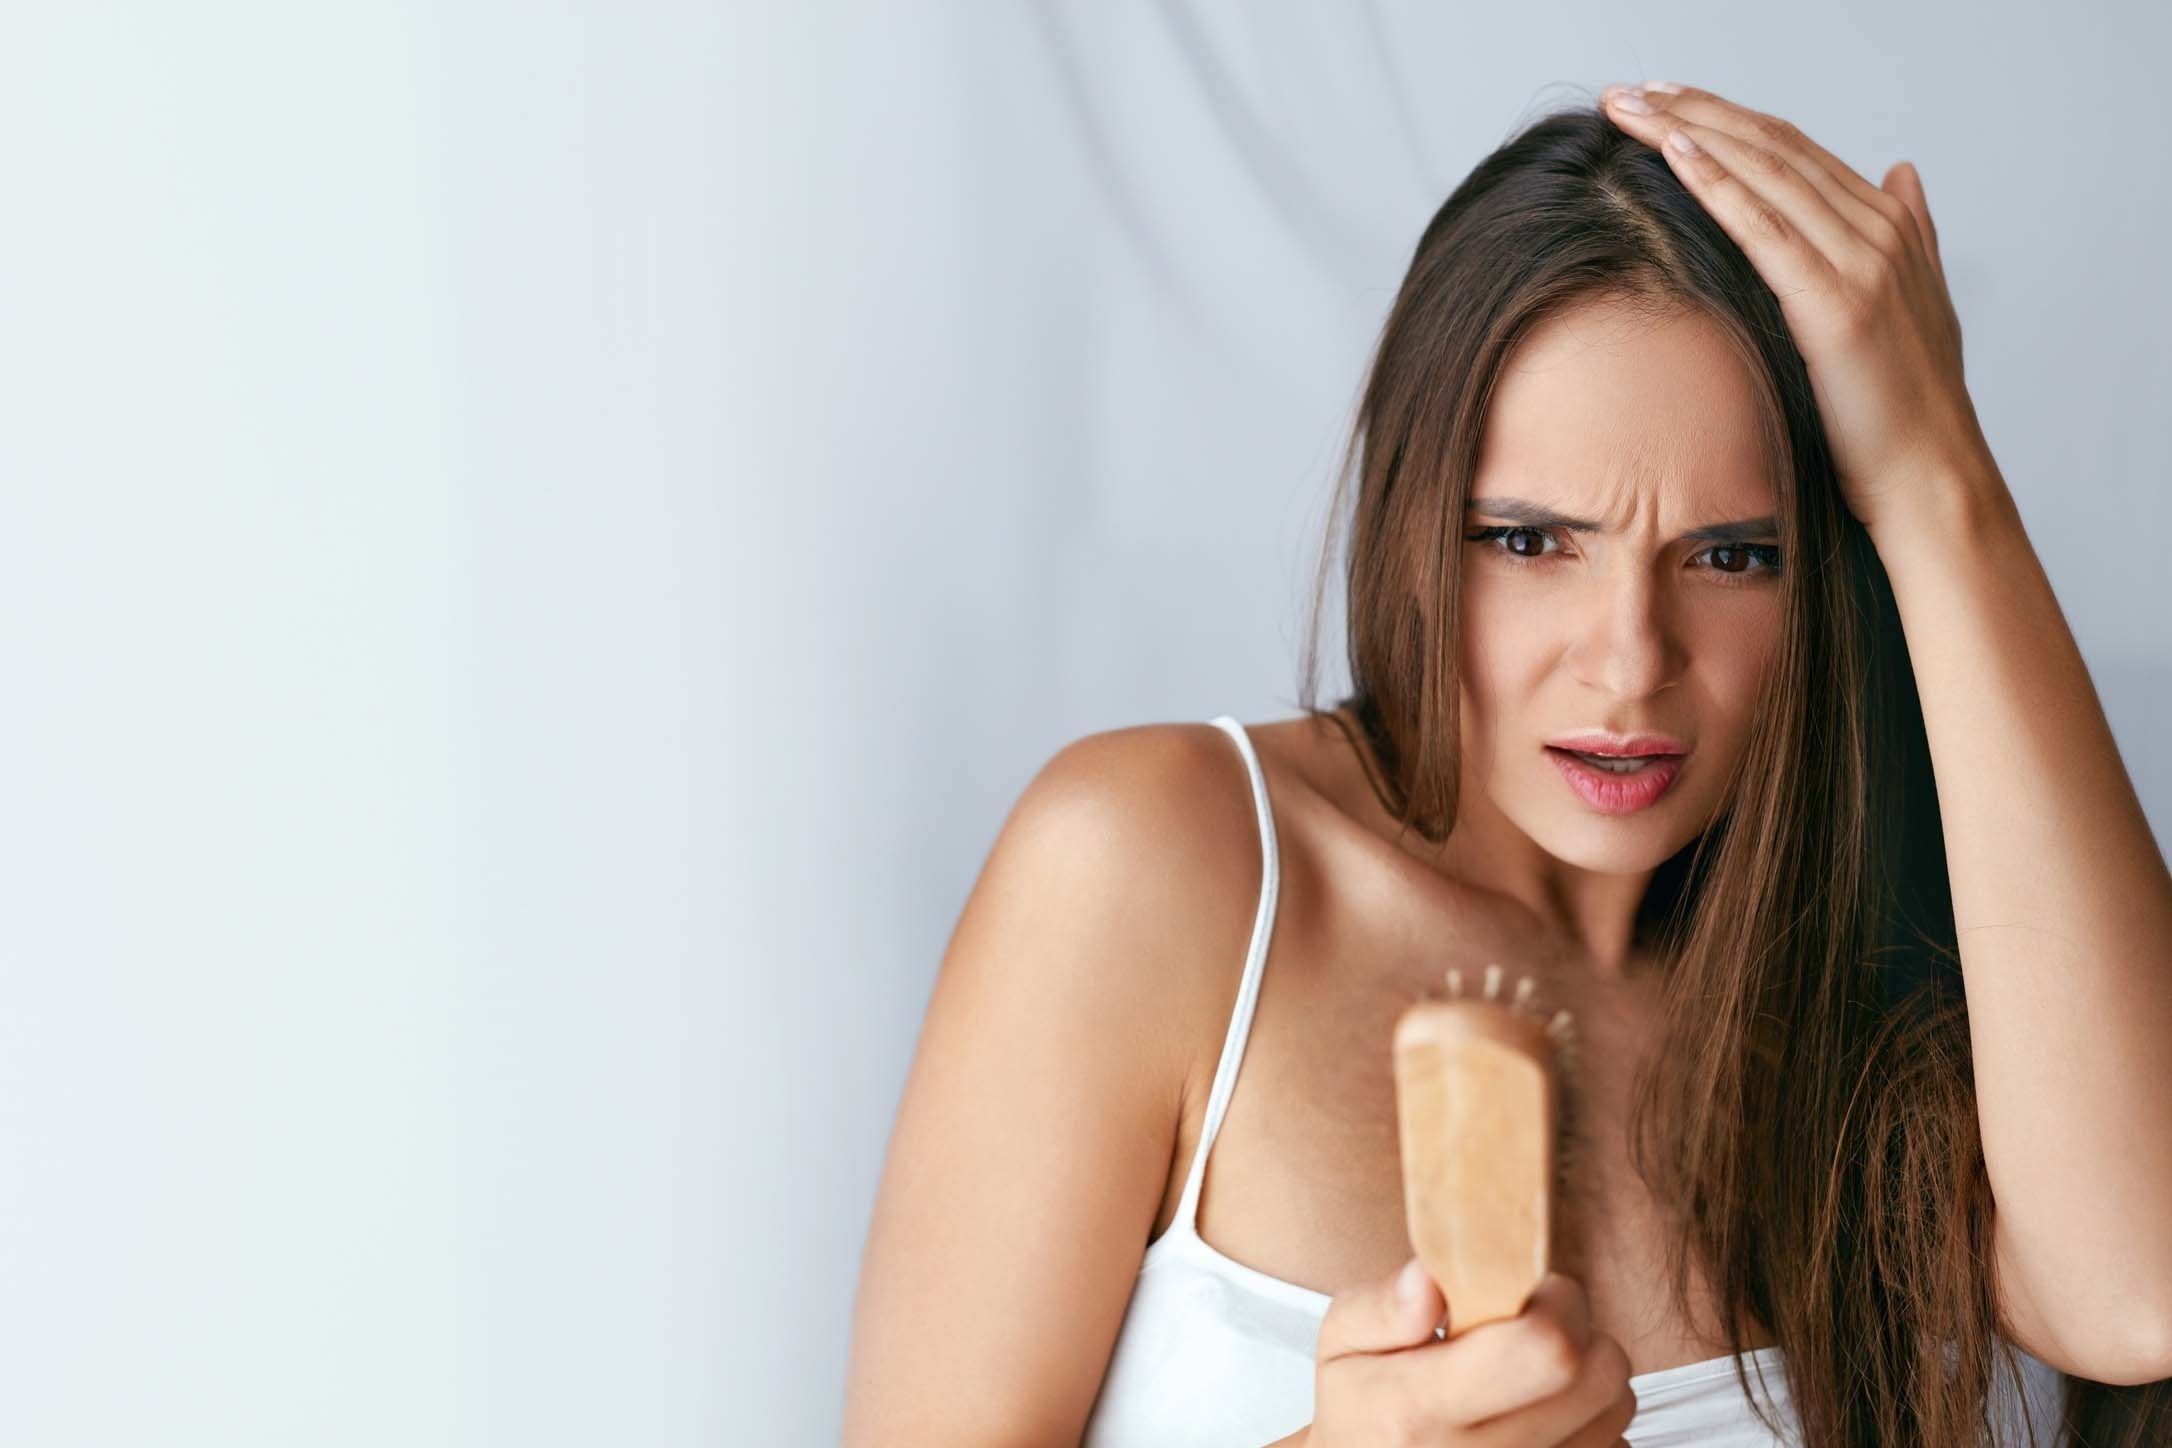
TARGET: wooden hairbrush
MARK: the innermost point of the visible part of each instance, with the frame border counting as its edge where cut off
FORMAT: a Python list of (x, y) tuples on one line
[(1478, 1108)]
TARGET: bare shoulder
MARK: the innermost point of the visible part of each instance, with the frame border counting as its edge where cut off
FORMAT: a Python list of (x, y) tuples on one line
[(1166, 807), (1095, 951), (1171, 773), (1129, 860), (1144, 837)]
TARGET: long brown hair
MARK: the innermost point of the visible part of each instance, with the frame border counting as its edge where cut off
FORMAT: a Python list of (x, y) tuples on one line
[(1810, 1119)]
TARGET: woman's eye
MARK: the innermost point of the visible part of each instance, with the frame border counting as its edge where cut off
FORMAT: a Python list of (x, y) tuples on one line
[(1734, 561), (1744, 558), (1519, 542)]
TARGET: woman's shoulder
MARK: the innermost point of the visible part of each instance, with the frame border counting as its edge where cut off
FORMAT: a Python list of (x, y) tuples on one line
[(1168, 810), (1164, 773), (1162, 812), (1184, 776), (1147, 836)]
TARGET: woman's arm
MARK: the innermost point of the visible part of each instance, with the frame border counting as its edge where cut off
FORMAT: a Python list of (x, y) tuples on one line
[(2064, 912), (2059, 892), (1032, 1147)]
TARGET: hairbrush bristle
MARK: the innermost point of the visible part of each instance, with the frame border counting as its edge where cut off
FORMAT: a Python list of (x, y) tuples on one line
[(1522, 999)]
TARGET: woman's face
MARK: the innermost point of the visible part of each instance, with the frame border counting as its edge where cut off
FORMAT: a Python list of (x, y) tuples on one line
[(1630, 584)]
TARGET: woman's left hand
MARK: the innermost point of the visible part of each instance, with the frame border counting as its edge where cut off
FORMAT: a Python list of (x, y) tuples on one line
[(1859, 280)]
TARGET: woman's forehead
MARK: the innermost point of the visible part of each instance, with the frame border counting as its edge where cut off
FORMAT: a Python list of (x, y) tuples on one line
[(1608, 410)]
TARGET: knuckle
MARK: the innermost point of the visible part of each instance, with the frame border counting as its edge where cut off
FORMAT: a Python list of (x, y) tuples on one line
[(1894, 210), (1864, 277), (1776, 131), (1764, 162), (1885, 243), (1765, 220), (1852, 305), (1862, 295), (1552, 1354)]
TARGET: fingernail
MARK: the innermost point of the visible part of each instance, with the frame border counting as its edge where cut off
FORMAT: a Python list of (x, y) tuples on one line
[(1664, 87), (1411, 1282), (1628, 100)]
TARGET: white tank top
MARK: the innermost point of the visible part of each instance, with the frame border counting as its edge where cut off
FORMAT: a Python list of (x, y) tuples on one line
[(1215, 1354)]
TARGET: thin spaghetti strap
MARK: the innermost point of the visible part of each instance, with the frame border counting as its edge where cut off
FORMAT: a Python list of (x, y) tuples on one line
[(1240, 1021)]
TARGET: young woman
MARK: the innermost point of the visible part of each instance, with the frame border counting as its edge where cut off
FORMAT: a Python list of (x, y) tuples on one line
[(1701, 669)]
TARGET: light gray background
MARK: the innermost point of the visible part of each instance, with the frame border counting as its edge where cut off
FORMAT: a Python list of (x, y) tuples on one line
[(542, 541)]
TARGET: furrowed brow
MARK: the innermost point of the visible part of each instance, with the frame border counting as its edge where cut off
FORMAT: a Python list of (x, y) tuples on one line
[(1537, 515)]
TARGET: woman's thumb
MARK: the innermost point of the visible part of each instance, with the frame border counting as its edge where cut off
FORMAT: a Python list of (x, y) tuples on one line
[(1400, 1312)]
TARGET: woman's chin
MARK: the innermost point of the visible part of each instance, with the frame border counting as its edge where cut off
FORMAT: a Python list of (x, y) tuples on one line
[(1614, 844)]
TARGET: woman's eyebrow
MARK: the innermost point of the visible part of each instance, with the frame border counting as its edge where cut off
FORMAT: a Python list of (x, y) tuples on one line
[(1537, 515)]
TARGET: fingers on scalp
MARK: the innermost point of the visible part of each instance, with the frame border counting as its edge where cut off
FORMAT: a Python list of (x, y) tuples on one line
[(1778, 133), (1766, 220), (1892, 239), (1789, 139), (1766, 161)]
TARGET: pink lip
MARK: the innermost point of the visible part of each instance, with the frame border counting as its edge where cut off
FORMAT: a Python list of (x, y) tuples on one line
[(1596, 741), (1616, 794)]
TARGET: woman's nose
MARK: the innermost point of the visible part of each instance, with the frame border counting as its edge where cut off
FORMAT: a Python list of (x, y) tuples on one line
[(1626, 647)]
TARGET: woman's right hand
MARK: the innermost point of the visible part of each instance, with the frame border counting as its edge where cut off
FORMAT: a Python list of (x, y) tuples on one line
[(1541, 1379)]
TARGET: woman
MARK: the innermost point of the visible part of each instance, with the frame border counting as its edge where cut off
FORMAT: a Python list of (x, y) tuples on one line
[(1665, 449)]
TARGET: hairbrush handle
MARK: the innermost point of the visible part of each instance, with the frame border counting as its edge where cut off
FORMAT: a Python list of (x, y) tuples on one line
[(1476, 1113)]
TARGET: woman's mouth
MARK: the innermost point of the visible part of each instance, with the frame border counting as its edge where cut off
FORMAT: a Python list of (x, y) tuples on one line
[(1615, 785)]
